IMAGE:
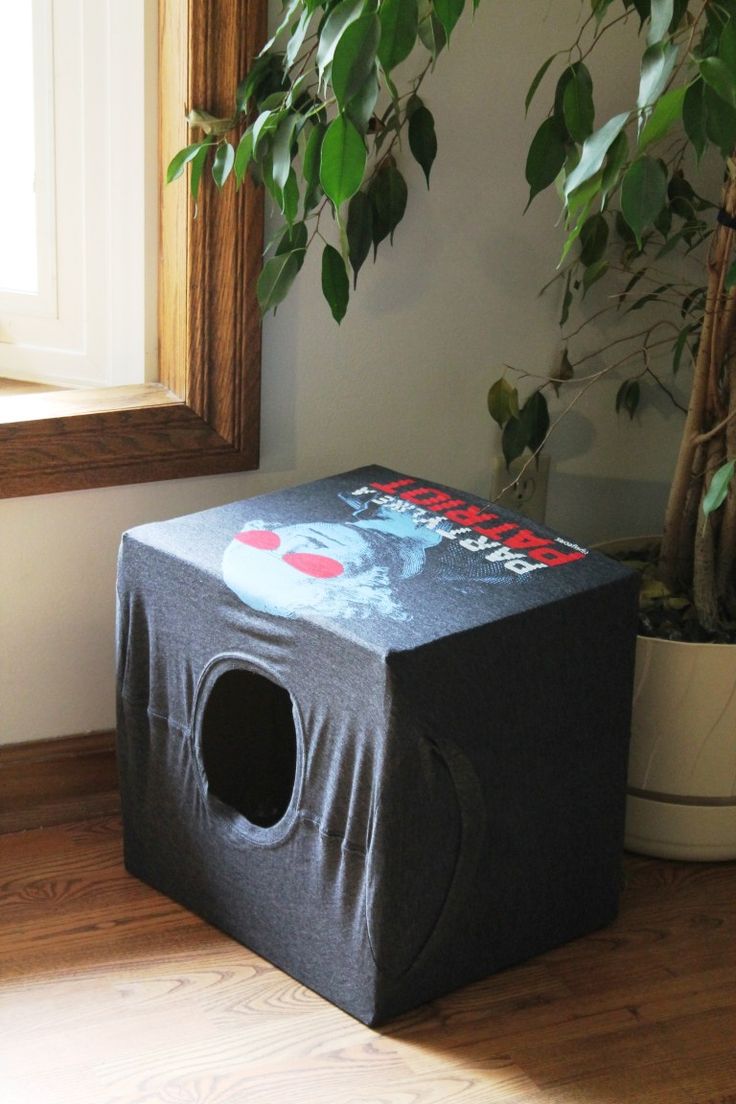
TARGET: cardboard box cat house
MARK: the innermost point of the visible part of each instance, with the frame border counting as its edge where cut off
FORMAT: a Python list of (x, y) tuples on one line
[(376, 730)]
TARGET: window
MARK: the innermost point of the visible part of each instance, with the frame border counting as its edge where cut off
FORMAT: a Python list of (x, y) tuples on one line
[(202, 416), (22, 211), (75, 308)]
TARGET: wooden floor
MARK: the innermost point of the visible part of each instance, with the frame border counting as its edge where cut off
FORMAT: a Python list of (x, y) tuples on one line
[(111, 994)]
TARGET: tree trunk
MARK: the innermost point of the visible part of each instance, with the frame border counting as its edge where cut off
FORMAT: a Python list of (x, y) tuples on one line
[(704, 559), (673, 557), (698, 553), (726, 563)]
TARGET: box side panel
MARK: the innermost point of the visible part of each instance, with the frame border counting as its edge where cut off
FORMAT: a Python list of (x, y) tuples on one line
[(295, 890), (535, 713)]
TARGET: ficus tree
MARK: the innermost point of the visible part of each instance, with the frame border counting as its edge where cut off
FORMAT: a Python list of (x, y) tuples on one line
[(319, 121), (633, 188), (323, 121)]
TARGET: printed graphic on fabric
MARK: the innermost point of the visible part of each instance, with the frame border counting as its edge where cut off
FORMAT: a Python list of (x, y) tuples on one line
[(348, 569)]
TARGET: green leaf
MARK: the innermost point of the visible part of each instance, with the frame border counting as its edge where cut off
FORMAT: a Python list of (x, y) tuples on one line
[(718, 489), (276, 279), (243, 156), (296, 38), (290, 198), (342, 161), (727, 46), (293, 240), (335, 284), (558, 108), (594, 151), (643, 194), (593, 239), (720, 78), (652, 590), (263, 127), (731, 276), (577, 103), (341, 16), (311, 165), (388, 194), (312, 155), (355, 57), (616, 158), (503, 402), (720, 122), (257, 73), (362, 106), (580, 200), (600, 7), (399, 28), (195, 175), (534, 417), (643, 300), (275, 101), (430, 30), (643, 7), (546, 156), (694, 115), (448, 12), (422, 139), (694, 303), (628, 397), (662, 12), (667, 111), (513, 440), (178, 163), (680, 344), (283, 141), (360, 231), (675, 603), (656, 69), (681, 188), (289, 7), (584, 196), (223, 163), (539, 77)]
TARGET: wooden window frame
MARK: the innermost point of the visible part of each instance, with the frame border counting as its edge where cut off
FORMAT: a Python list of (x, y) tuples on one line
[(203, 417)]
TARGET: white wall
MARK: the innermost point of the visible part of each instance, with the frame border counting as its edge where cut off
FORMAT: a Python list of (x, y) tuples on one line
[(401, 382)]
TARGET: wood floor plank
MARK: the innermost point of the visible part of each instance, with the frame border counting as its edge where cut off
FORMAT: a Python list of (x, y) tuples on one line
[(112, 994), (55, 781)]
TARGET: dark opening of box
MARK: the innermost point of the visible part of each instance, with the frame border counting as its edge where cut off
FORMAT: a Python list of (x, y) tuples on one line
[(249, 746)]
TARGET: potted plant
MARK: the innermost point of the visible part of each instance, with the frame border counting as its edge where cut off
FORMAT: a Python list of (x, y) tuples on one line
[(634, 189), (319, 120)]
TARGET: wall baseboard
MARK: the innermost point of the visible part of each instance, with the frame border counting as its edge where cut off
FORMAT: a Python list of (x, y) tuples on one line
[(57, 781)]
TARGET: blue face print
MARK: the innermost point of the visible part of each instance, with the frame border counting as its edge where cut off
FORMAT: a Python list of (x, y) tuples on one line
[(337, 570)]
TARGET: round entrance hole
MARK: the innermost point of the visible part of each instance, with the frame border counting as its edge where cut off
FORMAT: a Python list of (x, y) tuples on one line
[(249, 746)]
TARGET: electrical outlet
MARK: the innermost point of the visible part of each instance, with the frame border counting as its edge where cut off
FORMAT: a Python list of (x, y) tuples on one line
[(523, 493)]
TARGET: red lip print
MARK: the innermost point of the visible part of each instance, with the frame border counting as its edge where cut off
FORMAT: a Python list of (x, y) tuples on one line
[(309, 563)]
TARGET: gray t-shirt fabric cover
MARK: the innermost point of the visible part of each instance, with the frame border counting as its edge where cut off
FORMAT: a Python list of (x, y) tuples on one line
[(437, 693)]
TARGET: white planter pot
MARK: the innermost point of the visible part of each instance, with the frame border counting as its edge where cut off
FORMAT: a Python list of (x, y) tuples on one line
[(682, 765)]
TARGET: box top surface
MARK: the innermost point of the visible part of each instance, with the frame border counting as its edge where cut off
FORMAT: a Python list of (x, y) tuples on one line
[(385, 559)]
